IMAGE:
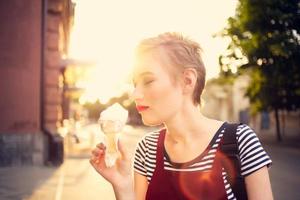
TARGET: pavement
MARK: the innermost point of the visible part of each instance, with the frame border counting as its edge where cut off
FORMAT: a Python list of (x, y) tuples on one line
[(284, 172), (75, 179)]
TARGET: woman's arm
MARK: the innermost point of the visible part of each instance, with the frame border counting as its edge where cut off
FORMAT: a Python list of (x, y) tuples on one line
[(258, 185), (140, 186)]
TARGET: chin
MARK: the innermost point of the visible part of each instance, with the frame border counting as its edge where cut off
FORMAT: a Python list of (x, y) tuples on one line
[(149, 122)]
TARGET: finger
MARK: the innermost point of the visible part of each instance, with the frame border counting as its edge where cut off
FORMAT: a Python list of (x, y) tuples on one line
[(94, 163), (93, 158), (98, 152), (97, 162), (101, 146), (99, 165)]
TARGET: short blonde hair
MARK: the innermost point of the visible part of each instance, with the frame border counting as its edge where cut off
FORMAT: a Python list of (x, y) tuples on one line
[(182, 53)]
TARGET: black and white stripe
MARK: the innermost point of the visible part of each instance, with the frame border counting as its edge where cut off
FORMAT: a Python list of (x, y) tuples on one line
[(252, 155), (251, 152)]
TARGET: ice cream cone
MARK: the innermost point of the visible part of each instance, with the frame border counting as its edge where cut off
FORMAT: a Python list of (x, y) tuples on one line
[(111, 122), (111, 143)]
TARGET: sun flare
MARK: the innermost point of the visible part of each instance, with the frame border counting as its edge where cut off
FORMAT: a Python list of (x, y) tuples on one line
[(106, 33)]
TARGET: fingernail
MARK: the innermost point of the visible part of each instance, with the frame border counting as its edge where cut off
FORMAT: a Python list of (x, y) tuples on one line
[(101, 145)]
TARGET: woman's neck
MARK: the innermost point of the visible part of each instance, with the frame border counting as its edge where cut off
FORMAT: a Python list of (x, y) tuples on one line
[(186, 125)]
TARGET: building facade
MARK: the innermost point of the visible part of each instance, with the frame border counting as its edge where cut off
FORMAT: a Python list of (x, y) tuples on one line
[(228, 102), (33, 41), (225, 101)]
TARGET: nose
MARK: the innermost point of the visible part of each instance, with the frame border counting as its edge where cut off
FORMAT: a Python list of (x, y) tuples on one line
[(137, 94)]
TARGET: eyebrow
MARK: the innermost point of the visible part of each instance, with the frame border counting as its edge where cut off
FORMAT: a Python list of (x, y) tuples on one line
[(142, 74)]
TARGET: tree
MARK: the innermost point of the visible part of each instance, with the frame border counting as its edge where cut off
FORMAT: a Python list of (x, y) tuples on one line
[(266, 33)]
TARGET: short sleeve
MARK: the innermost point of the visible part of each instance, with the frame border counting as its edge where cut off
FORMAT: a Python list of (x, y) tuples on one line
[(252, 155), (139, 158)]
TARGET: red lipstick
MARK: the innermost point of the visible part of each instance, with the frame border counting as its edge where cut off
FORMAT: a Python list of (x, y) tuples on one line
[(142, 108)]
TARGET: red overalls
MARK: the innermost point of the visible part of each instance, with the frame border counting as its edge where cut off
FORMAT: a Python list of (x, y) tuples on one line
[(195, 185)]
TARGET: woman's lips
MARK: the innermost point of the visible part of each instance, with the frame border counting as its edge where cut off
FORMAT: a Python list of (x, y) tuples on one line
[(142, 108)]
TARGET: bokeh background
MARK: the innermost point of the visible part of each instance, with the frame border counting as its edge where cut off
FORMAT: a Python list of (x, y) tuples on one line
[(62, 62)]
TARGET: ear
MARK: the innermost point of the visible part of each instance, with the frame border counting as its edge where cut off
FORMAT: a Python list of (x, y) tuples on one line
[(189, 79)]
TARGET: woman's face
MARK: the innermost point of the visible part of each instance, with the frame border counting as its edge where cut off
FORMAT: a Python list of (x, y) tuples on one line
[(157, 95)]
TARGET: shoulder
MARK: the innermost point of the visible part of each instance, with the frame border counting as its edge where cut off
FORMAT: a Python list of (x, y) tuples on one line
[(145, 155), (150, 137), (251, 152), (243, 130), (243, 127), (149, 140)]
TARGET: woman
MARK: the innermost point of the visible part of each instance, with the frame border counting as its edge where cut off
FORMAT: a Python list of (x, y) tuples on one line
[(180, 161)]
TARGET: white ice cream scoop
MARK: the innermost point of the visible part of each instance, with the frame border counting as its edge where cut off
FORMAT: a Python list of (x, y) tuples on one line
[(112, 121)]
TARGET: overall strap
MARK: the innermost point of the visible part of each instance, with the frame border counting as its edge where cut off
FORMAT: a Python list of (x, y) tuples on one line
[(160, 149), (229, 147)]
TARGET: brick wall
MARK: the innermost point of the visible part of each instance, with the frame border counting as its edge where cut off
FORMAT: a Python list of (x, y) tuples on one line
[(22, 138)]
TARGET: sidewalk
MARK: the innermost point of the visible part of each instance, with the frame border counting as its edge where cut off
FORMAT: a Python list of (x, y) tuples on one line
[(20, 182), (284, 171), (75, 179)]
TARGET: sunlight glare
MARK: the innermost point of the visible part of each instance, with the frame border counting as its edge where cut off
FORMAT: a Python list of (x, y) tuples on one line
[(106, 32)]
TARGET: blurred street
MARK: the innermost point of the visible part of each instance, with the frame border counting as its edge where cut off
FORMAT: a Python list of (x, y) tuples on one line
[(77, 180), (284, 173)]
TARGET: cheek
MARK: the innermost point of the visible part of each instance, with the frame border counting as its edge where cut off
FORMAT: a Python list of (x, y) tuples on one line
[(165, 102), (165, 97), (158, 94), (153, 94)]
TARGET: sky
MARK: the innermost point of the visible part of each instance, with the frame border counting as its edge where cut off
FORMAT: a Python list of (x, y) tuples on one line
[(106, 32)]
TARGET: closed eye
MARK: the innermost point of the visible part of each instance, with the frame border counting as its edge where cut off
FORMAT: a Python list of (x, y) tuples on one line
[(148, 82)]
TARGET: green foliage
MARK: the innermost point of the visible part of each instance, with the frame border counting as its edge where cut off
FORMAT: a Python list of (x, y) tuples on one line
[(267, 33), (226, 78)]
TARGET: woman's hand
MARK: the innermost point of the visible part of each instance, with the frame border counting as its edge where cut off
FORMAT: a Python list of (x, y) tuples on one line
[(119, 175)]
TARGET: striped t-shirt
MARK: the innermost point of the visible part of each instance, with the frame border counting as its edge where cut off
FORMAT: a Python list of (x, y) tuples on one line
[(251, 152)]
